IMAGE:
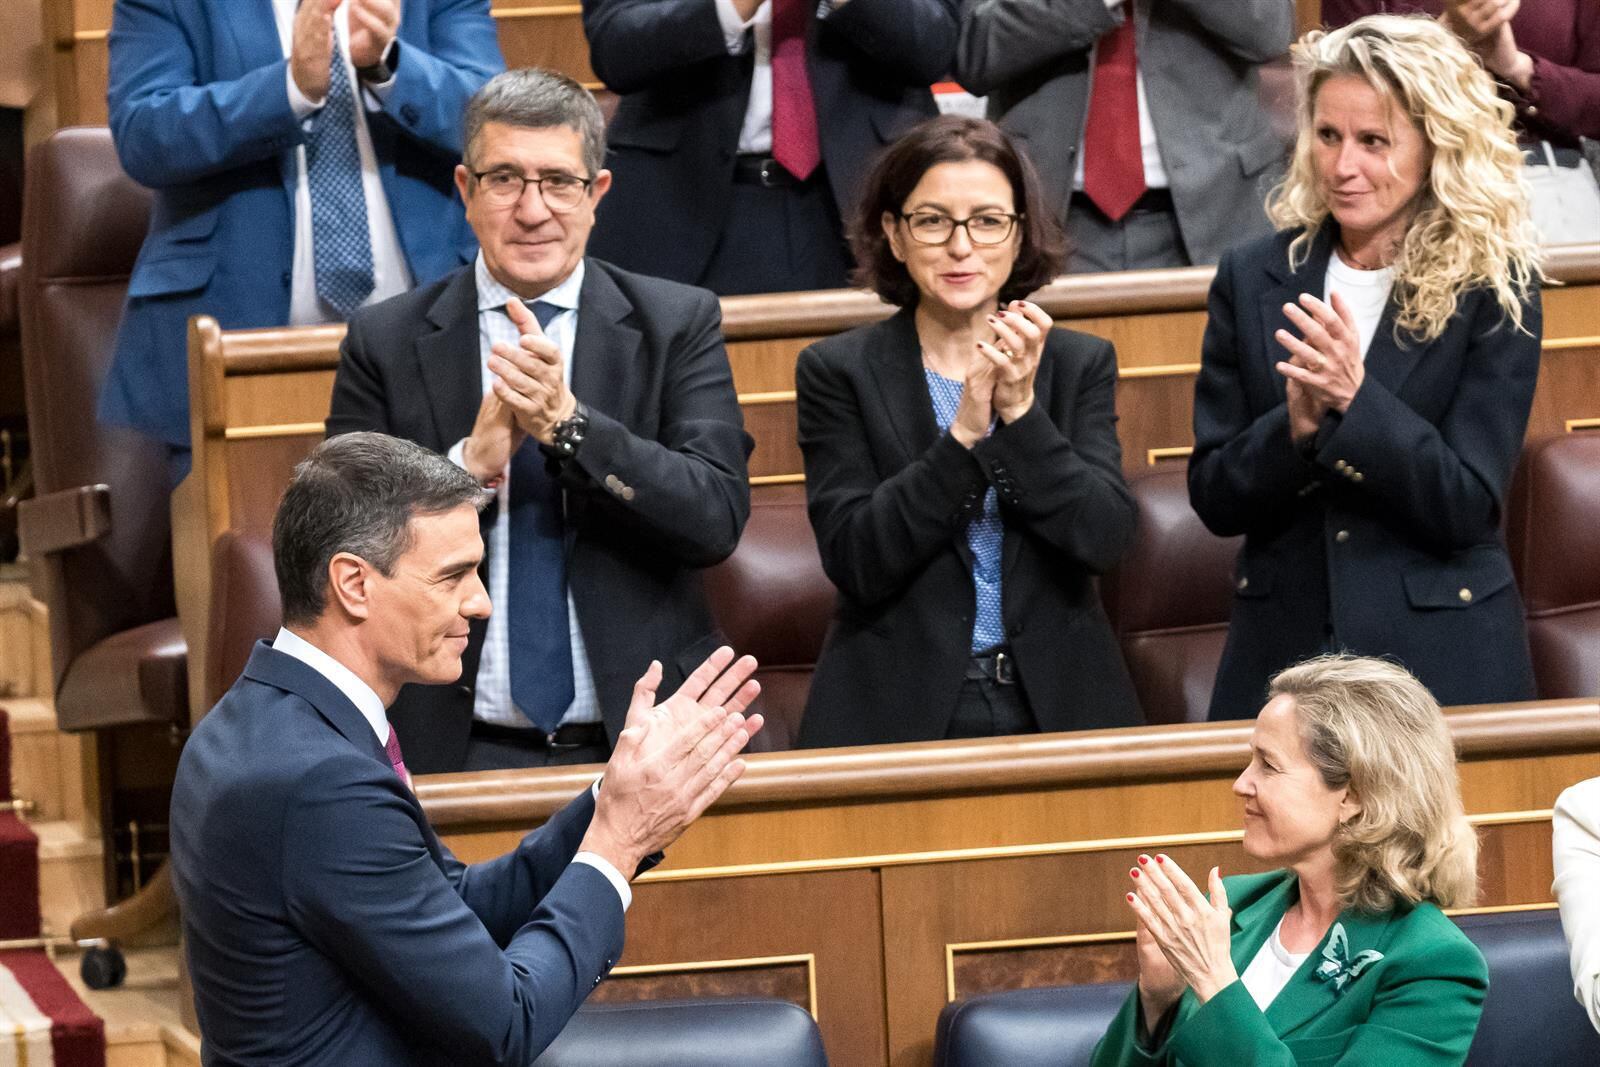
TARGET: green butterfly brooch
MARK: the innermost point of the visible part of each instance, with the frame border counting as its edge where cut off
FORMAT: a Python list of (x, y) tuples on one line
[(1337, 966)]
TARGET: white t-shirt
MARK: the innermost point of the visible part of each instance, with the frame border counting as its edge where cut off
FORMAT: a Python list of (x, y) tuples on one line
[(1366, 292), (1271, 970)]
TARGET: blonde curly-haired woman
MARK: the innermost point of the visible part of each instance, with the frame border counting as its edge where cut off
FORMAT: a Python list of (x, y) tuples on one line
[(1367, 375), (1342, 956)]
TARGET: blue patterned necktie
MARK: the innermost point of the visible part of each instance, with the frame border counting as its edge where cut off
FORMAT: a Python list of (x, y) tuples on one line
[(341, 241), (541, 643)]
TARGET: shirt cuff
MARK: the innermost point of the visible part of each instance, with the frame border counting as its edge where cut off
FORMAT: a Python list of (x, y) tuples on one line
[(378, 92), (601, 864), (733, 27), (302, 106)]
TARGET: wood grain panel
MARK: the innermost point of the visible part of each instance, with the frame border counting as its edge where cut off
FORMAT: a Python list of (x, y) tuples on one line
[(1569, 389), (91, 61), (777, 451), (551, 38), (834, 916), (1029, 966), (260, 468), (1154, 413), (779, 977), (765, 366)]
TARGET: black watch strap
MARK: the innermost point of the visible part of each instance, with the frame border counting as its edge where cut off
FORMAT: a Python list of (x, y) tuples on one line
[(384, 68), (570, 432)]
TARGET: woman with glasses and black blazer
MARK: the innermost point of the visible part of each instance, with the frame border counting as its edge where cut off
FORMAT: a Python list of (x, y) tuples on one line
[(962, 467)]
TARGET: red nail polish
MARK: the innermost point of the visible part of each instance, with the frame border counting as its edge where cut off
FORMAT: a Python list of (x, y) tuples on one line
[(1161, 859), (1144, 859), (1134, 872), (1130, 898)]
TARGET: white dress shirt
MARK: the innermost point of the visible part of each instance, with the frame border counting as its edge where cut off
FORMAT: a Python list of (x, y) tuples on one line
[(1576, 852), (755, 136), (1365, 292), (1271, 969), (1155, 172), (366, 701), (391, 275), (492, 695)]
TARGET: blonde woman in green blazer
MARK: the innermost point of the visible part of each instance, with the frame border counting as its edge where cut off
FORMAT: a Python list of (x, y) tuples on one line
[(1343, 956)]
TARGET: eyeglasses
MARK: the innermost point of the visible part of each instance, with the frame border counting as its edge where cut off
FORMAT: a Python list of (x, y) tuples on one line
[(560, 192), (934, 228)]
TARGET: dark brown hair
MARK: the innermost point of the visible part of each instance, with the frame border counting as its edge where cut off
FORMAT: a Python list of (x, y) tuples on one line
[(951, 139)]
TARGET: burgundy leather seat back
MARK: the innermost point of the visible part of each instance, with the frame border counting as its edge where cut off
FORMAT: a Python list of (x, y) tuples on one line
[(1553, 533), (83, 223), (1169, 601), (245, 607), (773, 601)]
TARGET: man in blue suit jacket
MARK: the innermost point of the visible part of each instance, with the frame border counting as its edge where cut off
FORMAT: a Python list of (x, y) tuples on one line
[(207, 111), (324, 921)]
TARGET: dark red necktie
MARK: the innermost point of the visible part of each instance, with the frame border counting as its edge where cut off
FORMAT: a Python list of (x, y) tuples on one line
[(1113, 162), (397, 761), (794, 112)]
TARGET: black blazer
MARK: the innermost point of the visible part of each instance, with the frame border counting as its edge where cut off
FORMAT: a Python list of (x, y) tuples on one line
[(658, 491), (673, 138), (889, 498), (325, 923), (1384, 537)]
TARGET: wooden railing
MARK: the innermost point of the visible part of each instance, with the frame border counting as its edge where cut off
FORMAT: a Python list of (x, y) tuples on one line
[(873, 885)]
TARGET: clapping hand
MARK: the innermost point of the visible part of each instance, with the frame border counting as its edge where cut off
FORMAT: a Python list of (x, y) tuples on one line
[(673, 759), (373, 24), (1477, 21), (528, 377), (311, 47), (1020, 331), (1326, 359), (1192, 931)]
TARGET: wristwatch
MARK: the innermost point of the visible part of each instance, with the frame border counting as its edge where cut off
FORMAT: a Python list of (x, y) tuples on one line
[(384, 68), (569, 433)]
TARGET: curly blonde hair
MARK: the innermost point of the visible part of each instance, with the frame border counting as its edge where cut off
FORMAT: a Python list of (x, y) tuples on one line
[(1472, 227), (1369, 725)]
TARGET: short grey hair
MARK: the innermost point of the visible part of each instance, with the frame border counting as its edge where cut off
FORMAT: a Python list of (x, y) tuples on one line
[(538, 99), (357, 493)]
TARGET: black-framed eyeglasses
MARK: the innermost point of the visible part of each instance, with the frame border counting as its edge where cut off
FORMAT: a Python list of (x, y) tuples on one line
[(935, 228), (560, 192)]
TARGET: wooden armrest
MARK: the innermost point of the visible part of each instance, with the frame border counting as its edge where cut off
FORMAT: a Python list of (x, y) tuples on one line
[(64, 519)]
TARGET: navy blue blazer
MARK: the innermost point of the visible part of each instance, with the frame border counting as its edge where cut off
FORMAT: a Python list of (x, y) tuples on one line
[(1383, 538), (324, 921), (675, 133), (200, 113)]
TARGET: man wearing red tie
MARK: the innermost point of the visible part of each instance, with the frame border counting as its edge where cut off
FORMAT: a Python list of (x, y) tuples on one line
[(745, 126), (1143, 117)]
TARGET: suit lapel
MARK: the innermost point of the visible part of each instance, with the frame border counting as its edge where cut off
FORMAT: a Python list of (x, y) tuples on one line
[(604, 350), (1306, 996), (1388, 361), (283, 671), (1311, 278), (448, 360), (896, 361)]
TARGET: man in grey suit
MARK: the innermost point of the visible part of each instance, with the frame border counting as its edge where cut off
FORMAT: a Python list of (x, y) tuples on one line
[(1142, 116), (598, 407)]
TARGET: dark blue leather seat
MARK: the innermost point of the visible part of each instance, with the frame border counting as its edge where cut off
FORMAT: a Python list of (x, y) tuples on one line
[(1530, 1018), (1058, 1026), (713, 1032)]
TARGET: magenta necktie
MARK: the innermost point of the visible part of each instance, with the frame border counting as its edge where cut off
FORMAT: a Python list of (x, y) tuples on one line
[(794, 112), (396, 760)]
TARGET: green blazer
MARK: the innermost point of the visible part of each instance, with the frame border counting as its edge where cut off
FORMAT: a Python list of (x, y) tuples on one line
[(1416, 1006)]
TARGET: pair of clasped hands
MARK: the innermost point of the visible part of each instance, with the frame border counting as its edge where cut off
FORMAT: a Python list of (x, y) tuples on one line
[(1324, 369), (373, 24), (529, 398), (1000, 373), (1184, 937), (673, 759)]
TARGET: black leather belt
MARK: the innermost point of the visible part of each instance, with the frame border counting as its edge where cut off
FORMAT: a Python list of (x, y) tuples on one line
[(573, 735), (762, 170), (997, 665), (1152, 200)]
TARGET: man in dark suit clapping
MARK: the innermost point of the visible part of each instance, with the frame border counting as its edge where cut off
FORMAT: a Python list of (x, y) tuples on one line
[(596, 405), (324, 921)]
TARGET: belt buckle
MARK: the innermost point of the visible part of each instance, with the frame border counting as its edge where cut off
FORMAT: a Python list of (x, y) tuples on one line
[(552, 745), (1005, 669), (769, 178)]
